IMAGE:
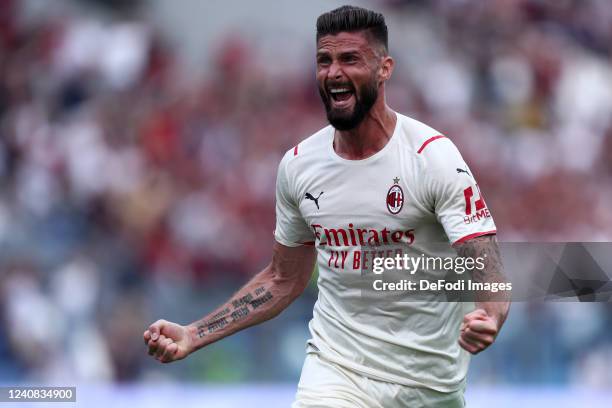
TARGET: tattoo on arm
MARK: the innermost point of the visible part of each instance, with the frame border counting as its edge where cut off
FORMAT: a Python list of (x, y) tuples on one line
[(240, 308), (486, 247), (262, 298), (240, 314), (243, 300), (255, 303), (211, 326), (220, 314)]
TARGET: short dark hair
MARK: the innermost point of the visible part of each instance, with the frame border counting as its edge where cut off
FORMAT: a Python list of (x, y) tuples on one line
[(351, 19)]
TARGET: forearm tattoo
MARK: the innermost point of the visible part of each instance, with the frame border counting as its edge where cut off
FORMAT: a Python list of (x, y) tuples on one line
[(485, 247), (238, 309)]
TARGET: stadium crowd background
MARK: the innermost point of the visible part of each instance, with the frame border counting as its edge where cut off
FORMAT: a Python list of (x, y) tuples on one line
[(132, 188)]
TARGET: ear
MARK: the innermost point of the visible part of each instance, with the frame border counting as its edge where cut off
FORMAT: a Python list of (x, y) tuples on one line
[(386, 68)]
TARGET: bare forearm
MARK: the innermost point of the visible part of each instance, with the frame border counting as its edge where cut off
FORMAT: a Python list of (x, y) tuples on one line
[(259, 300), (496, 304), (262, 298)]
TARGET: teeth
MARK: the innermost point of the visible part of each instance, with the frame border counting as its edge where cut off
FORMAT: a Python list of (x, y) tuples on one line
[(339, 90)]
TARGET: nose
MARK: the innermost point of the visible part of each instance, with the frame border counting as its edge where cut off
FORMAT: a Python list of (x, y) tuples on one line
[(334, 71)]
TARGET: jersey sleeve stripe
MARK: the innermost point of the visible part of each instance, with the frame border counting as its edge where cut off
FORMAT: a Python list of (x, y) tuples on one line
[(295, 150), (474, 235), (428, 141)]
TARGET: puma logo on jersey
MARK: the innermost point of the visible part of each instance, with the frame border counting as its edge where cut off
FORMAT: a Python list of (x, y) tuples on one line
[(309, 196), (459, 171)]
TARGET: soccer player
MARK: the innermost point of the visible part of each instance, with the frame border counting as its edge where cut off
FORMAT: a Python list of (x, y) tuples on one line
[(373, 177)]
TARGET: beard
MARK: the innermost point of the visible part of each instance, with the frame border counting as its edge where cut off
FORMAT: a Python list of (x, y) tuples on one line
[(341, 119)]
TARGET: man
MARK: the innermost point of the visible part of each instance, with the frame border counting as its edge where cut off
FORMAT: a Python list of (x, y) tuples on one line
[(373, 177)]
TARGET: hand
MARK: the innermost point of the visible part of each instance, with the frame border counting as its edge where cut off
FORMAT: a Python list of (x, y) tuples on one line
[(478, 331), (168, 341)]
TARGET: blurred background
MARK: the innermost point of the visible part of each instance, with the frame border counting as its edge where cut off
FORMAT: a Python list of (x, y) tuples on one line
[(139, 142)]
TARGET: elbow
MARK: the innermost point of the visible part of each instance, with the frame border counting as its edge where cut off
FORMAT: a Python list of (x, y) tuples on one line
[(286, 289)]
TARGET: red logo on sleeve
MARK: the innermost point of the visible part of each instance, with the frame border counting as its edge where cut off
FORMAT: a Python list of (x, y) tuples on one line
[(475, 208)]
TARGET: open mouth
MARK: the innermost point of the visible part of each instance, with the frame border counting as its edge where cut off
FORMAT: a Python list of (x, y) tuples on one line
[(340, 94)]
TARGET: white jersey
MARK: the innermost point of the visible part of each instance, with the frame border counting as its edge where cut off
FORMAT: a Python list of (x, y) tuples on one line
[(414, 191)]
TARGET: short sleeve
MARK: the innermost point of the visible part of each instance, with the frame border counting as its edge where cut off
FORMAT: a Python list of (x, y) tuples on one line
[(291, 229), (454, 194)]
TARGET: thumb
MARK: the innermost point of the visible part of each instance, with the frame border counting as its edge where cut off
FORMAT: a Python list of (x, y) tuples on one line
[(156, 329), (484, 326)]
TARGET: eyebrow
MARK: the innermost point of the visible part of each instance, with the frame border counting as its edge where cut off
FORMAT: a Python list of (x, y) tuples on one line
[(343, 53), (349, 53)]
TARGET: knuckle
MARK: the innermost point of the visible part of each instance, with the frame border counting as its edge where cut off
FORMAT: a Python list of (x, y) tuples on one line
[(157, 323)]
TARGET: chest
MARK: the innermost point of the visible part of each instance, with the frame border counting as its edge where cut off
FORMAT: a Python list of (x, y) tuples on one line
[(378, 196)]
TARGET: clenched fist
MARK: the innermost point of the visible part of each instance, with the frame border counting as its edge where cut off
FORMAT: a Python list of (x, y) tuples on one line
[(478, 331), (168, 341)]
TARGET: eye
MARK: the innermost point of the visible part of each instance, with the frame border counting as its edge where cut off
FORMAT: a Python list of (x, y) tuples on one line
[(323, 60), (350, 58)]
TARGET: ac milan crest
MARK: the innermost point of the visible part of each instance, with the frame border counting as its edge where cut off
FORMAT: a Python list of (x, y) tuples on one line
[(395, 197)]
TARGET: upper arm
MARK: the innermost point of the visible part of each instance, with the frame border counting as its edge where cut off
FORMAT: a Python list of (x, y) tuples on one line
[(453, 194), (291, 229), (294, 254)]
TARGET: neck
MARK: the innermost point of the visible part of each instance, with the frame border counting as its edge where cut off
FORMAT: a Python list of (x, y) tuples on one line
[(370, 136)]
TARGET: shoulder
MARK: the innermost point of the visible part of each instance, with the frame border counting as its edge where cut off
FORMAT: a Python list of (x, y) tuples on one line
[(431, 147), (307, 150), (416, 136)]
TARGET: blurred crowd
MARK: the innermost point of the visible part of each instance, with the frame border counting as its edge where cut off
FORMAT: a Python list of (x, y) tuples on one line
[(130, 191)]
